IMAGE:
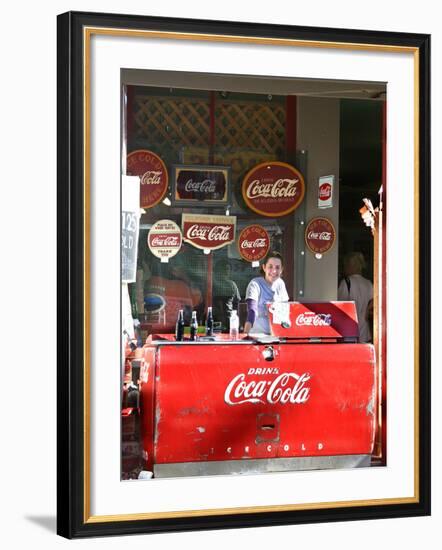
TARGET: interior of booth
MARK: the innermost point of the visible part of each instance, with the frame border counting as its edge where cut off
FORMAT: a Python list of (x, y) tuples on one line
[(319, 127)]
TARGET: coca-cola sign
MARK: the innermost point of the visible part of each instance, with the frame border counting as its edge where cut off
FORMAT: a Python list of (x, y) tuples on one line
[(320, 235), (325, 191), (208, 232), (273, 189), (287, 388), (164, 239), (253, 243), (153, 176), (201, 185)]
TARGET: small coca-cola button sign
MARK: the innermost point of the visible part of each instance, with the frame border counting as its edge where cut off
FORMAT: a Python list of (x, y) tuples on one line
[(164, 239), (273, 189), (153, 176), (253, 243), (320, 235)]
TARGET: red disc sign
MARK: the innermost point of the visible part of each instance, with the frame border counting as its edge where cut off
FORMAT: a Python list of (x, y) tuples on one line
[(253, 243), (273, 189), (153, 176), (320, 235)]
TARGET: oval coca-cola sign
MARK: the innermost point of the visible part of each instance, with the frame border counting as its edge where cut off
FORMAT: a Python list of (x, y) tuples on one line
[(273, 189), (253, 243), (320, 235), (164, 239), (153, 176)]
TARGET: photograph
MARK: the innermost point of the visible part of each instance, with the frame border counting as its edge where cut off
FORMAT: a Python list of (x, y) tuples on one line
[(285, 275), (237, 204)]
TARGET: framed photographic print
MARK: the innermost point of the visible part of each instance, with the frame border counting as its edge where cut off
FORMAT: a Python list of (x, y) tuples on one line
[(288, 382)]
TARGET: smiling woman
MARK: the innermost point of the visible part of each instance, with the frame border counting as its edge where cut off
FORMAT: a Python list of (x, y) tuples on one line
[(261, 291)]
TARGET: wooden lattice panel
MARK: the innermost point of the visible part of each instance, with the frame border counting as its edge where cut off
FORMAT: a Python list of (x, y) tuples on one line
[(251, 125), (182, 122), (172, 122)]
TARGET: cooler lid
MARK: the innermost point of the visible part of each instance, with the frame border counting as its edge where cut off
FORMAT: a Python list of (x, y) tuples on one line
[(311, 320)]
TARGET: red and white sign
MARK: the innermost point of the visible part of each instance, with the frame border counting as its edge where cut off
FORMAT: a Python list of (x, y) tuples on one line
[(164, 239), (208, 232), (325, 191), (304, 320), (154, 179), (273, 189), (320, 235), (253, 243)]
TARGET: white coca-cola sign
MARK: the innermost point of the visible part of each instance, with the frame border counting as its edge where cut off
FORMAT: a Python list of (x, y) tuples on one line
[(320, 235), (310, 318), (325, 191), (164, 239), (208, 232), (253, 243), (286, 388), (273, 189)]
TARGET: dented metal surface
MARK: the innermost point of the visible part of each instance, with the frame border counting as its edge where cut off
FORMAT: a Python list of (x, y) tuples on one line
[(214, 406)]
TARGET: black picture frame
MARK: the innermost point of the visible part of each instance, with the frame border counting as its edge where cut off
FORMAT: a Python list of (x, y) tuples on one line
[(73, 509), (200, 200)]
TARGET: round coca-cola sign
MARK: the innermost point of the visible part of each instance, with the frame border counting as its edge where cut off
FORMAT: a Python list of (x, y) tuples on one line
[(273, 189), (253, 243), (153, 176), (164, 239), (320, 235)]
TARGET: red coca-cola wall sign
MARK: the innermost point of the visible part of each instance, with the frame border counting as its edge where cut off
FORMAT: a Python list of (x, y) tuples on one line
[(320, 235), (273, 189), (164, 239), (253, 243), (154, 179), (208, 232)]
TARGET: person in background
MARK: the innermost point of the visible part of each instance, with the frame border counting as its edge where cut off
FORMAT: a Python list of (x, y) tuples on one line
[(226, 296), (261, 290), (355, 287)]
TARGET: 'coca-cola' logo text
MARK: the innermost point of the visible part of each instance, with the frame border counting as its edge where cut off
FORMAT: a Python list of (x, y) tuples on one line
[(165, 240), (209, 233), (323, 236), (286, 388), (311, 319), (204, 186), (257, 243), (151, 177), (281, 188)]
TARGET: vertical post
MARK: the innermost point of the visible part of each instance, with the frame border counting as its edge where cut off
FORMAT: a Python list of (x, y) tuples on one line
[(209, 289), (291, 123)]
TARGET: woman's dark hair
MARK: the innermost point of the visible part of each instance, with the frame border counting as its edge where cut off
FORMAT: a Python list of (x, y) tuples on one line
[(273, 254)]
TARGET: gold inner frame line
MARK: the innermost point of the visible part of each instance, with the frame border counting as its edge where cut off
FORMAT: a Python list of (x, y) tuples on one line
[(87, 34)]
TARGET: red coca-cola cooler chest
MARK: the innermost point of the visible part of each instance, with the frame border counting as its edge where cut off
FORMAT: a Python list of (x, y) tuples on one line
[(302, 398)]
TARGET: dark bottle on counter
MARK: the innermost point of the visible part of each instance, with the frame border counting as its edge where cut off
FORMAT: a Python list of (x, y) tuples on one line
[(209, 322), (194, 327), (179, 327)]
